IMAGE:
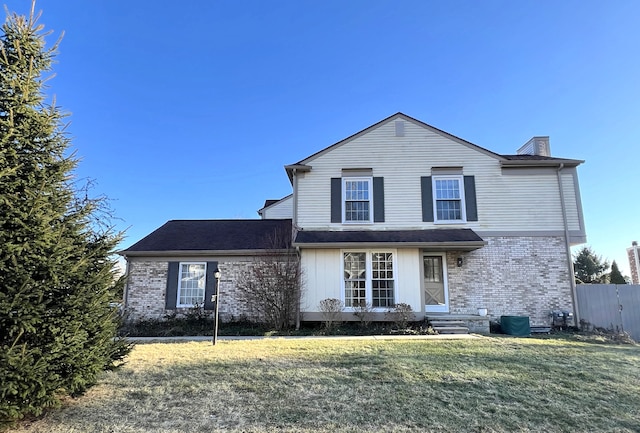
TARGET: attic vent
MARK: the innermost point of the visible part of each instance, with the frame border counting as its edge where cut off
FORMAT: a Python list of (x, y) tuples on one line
[(536, 146), (399, 128)]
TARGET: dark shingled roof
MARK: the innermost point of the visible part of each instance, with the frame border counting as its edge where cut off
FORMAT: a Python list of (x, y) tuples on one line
[(268, 203), (215, 235), (451, 238), (534, 158)]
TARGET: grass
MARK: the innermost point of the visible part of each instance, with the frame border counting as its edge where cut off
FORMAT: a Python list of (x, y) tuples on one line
[(496, 384)]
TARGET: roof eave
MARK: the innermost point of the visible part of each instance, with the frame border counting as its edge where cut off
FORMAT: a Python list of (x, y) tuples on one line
[(431, 246), (541, 163), (295, 167), (192, 253)]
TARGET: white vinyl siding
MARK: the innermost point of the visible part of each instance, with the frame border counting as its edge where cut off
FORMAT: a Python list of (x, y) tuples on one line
[(280, 210), (321, 269), (505, 202)]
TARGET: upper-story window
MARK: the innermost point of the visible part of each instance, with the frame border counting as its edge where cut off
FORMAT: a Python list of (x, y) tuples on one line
[(357, 200), (357, 197), (448, 199)]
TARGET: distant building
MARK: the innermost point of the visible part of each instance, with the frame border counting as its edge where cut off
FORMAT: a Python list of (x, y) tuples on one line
[(634, 262)]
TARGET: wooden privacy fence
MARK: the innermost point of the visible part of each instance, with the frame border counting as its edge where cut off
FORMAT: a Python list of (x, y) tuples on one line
[(611, 306)]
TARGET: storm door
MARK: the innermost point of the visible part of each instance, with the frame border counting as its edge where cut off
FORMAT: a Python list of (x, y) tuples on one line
[(436, 293)]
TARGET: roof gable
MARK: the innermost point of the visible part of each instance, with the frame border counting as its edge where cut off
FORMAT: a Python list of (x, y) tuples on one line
[(397, 116), (273, 202), (507, 160)]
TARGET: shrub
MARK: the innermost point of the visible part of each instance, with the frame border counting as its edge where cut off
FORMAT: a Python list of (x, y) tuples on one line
[(272, 286), (363, 311), (401, 314), (331, 309)]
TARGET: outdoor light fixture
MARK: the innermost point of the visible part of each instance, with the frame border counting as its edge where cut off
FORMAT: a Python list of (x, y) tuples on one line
[(214, 299), (459, 262)]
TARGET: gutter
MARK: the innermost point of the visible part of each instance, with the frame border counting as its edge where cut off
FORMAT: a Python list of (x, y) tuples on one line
[(433, 246), (572, 278), (541, 163), (195, 253)]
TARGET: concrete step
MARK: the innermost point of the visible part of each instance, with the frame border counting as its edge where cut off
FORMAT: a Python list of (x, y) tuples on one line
[(451, 329), (447, 322)]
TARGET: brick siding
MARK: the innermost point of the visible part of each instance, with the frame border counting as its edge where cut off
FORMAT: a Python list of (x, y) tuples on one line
[(147, 284), (526, 276), (509, 276)]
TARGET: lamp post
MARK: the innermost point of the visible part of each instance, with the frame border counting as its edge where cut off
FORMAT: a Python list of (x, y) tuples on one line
[(214, 299)]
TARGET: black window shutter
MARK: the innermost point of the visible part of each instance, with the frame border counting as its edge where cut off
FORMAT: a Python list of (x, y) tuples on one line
[(378, 199), (171, 294), (210, 285), (427, 198), (336, 200), (470, 198)]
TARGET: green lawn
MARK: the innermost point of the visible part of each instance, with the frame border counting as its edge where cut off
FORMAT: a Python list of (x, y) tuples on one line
[(333, 385)]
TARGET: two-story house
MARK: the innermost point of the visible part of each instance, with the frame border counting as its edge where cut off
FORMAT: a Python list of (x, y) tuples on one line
[(399, 212)]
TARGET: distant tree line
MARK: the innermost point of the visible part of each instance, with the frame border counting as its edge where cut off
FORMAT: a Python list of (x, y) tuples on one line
[(590, 268)]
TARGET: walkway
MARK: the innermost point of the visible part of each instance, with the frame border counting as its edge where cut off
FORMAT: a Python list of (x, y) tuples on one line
[(305, 337)]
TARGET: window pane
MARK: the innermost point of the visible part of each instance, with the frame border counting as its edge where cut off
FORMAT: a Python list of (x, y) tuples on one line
[(432, 272), (357, 202), (447, 189), (192, 283), (355, 268), (382, 283), (448, 210), (357, 211)]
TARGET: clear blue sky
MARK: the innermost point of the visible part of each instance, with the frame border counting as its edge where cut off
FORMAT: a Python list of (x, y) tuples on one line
[(189, 110)]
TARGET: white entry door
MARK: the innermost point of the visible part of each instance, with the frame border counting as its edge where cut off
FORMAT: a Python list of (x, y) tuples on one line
[(436, 293)]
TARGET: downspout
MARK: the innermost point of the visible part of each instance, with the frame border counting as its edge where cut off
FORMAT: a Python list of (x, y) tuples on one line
[(295, 199), (298, 318), (294, 229), (125, 291), (572, 278)]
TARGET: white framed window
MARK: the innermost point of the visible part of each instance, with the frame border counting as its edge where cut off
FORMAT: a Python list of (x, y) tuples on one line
[(448, 199), (369, 278), (355, 278), (191, 284), (357, 199)]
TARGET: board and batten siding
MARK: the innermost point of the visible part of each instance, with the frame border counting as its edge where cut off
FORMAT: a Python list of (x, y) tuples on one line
[(505, 202), (322, 273)]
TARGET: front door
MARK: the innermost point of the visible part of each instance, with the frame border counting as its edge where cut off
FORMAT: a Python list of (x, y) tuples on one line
[(436, 293)]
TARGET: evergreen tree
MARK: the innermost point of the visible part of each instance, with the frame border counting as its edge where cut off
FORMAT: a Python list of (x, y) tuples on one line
[(615, 276), (56, 247), (589, 267)]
